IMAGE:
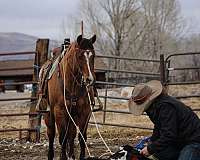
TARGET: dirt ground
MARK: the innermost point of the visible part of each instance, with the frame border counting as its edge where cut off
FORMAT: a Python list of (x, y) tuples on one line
[(11, 147)]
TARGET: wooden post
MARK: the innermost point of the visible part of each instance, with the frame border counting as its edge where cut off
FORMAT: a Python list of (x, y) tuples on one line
[(41, 56), (82, 28), (162, 70)]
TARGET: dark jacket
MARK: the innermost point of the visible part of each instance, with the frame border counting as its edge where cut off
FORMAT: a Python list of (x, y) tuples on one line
[(175, 124)]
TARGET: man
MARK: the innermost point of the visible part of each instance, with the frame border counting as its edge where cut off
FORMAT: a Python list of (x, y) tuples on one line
[(176, 134)]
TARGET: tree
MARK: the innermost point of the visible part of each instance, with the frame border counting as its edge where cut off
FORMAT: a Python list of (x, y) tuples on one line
[(134, 28), (113, 21), (164, 25)]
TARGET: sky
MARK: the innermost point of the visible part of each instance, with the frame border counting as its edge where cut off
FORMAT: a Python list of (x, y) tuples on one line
[(191, 12), (44, 18)]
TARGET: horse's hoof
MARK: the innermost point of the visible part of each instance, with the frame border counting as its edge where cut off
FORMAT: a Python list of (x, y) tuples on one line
[(50, 155), (63, 157), (82, 158)]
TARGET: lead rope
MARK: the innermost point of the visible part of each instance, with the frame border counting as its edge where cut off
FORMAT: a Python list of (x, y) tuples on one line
[(71, 116), (108, 149)]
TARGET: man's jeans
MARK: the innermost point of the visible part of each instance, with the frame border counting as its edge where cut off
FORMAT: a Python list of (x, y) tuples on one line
[(190, 152)]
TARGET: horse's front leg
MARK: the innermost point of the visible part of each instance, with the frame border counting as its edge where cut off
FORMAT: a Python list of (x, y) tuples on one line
[(82, 141), (82, 145), (63, 140), (72, 136), (50, 123), (62, 126)]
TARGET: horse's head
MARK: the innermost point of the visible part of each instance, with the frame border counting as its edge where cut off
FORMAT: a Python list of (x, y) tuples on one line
[(85, 57)]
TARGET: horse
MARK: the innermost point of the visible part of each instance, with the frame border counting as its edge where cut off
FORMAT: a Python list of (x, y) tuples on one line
[(68, 97)]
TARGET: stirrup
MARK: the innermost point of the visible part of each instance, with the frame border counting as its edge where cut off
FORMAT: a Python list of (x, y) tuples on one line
[(100, 108)]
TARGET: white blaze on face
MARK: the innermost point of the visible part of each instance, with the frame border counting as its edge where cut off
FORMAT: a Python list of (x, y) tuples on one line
[(87, 57)]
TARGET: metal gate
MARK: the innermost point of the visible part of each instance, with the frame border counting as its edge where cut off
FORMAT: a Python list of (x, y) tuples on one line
[(162, 75)]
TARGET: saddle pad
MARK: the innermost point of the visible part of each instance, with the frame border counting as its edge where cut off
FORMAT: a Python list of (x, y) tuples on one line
[(55, 64), (53, 67)]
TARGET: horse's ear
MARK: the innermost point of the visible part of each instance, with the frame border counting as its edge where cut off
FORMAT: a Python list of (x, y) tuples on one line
[(93, 39), (79, 38)]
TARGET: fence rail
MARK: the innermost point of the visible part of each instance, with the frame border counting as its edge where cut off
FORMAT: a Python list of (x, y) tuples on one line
[(17, 83), (126, 71)]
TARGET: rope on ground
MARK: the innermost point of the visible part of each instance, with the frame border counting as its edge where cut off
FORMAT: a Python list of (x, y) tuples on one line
[(108, 149)]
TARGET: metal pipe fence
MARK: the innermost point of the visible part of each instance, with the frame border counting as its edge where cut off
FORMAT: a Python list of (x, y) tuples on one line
[(106, 83), (169, 68), (164, 66)]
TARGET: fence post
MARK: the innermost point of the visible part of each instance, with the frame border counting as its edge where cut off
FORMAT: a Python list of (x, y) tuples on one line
[(162, 70), (41, 56)]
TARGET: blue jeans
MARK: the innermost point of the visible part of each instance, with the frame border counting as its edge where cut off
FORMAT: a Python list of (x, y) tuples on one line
[(190, 152)]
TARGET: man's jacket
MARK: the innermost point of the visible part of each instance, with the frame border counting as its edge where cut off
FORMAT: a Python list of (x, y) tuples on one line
[(175, 124)]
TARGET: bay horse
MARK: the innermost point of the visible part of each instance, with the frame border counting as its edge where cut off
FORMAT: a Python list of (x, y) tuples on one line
[(67, 94)]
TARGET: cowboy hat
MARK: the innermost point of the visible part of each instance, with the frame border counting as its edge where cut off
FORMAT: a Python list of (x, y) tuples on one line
[(143, 95)]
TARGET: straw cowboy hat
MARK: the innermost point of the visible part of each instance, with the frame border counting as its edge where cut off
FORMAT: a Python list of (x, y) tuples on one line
[(143, 95)]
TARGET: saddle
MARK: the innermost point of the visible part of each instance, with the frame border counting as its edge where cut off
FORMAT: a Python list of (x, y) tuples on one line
[(45, 74), (42, 86)]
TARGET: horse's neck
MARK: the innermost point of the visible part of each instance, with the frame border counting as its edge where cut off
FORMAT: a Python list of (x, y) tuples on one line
[(71, 77)]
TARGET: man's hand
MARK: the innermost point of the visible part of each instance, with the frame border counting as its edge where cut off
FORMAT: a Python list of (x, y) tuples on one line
[(145, 152)]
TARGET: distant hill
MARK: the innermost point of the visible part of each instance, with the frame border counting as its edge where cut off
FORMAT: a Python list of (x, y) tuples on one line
[(18, 42), (10, 42)]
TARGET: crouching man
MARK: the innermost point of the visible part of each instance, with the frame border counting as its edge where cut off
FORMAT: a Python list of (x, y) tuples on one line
[(176, 134)]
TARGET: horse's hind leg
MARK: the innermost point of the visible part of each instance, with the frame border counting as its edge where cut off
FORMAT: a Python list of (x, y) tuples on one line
[(50, 123)]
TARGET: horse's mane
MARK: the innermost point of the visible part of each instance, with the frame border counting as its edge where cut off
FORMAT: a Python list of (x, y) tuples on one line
[(72, 48)]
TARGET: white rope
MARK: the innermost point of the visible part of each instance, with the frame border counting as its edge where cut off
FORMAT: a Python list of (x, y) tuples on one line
[(71, 116), (108, 149)]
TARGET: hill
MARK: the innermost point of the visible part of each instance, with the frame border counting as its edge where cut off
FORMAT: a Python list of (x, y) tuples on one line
[(19, 42), (16, 42)]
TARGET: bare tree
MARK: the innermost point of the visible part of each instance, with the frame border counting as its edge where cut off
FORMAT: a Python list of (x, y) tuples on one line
[(164, 25), (134, 25), (134, 28), (113, 20)]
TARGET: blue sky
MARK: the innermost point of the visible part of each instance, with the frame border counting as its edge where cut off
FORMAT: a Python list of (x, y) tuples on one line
[(44, 18)]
